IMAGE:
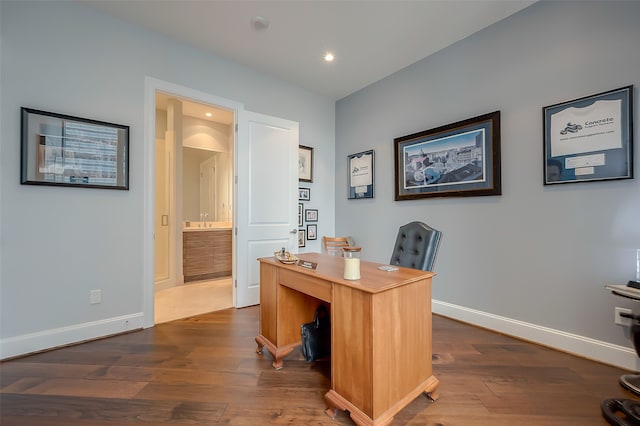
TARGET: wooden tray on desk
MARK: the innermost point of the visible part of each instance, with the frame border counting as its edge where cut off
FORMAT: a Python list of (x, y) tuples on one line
[(287, 259)]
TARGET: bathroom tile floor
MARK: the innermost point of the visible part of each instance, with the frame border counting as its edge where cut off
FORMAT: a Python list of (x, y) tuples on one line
[(194, 298)]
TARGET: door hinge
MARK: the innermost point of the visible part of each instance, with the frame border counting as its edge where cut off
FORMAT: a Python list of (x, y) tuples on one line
[(236, 127), (235, 283)]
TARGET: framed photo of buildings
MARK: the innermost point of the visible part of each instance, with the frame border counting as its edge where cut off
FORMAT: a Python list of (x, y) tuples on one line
[(62, 150), (456, 160), (589, 139)]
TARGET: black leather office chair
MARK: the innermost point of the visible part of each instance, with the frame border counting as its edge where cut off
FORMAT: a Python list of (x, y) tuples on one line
[(416, 246)]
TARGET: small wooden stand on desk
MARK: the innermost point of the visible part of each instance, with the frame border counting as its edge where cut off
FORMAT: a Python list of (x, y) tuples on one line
[(380, 331), (628, 381)]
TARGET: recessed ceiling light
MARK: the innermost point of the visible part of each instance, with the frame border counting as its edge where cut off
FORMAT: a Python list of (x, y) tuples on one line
[(328, 57), (208, 114)]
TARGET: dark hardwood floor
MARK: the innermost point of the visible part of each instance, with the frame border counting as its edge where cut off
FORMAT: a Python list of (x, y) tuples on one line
[(204, 370)]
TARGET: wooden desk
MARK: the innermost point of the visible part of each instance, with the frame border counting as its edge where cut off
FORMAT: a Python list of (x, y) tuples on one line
[(380, 331)]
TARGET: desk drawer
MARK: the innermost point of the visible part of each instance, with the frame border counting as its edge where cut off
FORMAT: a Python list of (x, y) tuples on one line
[(315, 287)]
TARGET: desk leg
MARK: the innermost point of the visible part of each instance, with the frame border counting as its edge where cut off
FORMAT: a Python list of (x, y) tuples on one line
[(278, 354), (331, 412), (336, 402), (260, 341)]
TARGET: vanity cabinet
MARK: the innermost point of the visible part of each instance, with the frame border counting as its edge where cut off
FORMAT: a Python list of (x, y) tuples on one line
[(206, 254)]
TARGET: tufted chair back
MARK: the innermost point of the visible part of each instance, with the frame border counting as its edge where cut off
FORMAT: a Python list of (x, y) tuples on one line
[(416, 246)]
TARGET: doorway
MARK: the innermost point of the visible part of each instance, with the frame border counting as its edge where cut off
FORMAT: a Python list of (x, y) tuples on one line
[(267, 149), (194, 144)]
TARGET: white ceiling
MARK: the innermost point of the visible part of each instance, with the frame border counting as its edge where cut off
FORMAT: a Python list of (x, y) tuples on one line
[(370, 39), (197, 109)]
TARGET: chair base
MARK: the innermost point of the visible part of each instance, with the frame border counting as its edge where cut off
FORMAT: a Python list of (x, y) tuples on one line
[(631, 382)]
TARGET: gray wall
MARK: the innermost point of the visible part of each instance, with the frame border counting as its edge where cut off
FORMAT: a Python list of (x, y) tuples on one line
[(532, 262), (59, 243)]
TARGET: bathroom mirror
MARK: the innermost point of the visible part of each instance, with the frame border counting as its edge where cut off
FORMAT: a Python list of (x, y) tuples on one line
[(206, 180)]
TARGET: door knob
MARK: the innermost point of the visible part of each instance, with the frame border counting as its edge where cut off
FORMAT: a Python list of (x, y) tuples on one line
[(294, 231)]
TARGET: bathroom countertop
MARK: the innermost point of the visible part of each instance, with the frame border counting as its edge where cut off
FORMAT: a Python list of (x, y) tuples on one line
[(208, 226)]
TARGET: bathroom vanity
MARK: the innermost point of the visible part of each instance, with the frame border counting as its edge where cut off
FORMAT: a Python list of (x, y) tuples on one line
[(206, 250)]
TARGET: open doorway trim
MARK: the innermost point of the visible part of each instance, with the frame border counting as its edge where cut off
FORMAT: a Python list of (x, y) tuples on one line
[(152, 86)]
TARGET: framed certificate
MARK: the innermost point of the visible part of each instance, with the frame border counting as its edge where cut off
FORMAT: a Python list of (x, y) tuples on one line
[(590, 138), (360, 174)]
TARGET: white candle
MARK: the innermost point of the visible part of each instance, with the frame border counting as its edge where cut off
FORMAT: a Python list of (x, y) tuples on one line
[(351, 268)]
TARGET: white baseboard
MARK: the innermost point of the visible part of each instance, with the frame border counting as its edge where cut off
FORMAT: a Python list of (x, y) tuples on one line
[(49, 339), (585, 347), (607, 353)]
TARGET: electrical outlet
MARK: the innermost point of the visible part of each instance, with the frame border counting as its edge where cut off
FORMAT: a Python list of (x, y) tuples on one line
[(95, 297), (620, 320)]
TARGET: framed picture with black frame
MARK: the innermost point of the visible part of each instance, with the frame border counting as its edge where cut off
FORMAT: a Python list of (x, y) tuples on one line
[(461, 159), (305, 163), (300, 214), (311, 215), (62, 150), (589, 139), (312, 232), (304, 194), (360, 174)]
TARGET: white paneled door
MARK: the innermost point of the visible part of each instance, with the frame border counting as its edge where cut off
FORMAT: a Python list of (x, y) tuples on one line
[(266, 175)]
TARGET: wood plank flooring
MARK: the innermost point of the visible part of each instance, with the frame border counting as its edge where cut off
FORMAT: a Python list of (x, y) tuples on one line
[(205, 371)]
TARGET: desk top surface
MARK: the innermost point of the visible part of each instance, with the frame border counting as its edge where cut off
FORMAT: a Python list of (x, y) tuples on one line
[(372, 279)]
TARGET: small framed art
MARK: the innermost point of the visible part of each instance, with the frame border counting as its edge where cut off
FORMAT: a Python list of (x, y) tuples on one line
[(360, 174), (304, 194), (300, 214), (305, 164), (311, 215), (312, 232)]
